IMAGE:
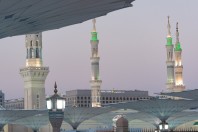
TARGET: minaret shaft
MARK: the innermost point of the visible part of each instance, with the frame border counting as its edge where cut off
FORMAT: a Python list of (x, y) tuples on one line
[(170, 83), (95, 77), (34, 74), (179, 85)]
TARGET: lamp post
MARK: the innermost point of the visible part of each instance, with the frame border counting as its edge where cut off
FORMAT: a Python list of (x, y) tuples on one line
[(56, 106)]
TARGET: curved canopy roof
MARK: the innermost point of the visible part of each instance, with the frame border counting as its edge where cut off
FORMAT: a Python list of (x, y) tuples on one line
[(19, 17), (76, 115), (150, 111), (189, 94), (160, 108), (8, 116), (182, 118), (35, 122)]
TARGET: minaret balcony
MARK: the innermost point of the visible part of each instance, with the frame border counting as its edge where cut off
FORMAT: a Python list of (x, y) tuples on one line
[(34, 68)]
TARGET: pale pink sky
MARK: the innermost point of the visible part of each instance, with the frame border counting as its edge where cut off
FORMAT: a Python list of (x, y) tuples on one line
[(132, 50)]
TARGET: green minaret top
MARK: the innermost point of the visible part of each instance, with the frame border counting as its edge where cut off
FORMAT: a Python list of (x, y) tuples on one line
[(94, 36), (169, 38), (177, 45)]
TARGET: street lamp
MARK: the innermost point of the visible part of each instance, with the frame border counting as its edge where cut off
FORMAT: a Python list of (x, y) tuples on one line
[(157, 130), (56, 106), (163, 126)]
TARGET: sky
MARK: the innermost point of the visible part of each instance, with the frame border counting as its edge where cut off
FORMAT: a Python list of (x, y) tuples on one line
[(131, 48)]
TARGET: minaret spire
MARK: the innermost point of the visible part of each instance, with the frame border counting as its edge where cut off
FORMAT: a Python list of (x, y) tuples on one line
[(177, 33), (94, 25), (169, 27), (95, 77), (55, 88)]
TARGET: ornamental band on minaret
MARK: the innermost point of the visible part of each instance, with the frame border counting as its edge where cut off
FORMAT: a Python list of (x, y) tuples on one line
[(95, 78), (179, 85), (34, 74), (170, 60)]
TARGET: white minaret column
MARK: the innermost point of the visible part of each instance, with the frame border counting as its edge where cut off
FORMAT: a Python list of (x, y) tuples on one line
[(170, 83), (179, 85), (95, 78), (34, 74)]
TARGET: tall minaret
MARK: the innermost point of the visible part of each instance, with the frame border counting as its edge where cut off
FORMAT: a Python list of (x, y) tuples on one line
[(170, 60), (179, 85), (95, 78), (34, 74)]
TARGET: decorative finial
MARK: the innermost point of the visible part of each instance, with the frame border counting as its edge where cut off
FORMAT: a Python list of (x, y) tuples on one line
[(177, 33), (169, 27), (94, 25), (55, 88)]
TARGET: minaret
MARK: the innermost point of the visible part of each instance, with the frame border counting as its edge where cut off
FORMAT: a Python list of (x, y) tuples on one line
[(179, 85), (95, 78), (34, 74), (170, 60)]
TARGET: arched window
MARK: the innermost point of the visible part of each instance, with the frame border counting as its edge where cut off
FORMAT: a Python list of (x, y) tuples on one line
[(30, 53), (37, 53), (27, 54), (31, 43), (37, 43)]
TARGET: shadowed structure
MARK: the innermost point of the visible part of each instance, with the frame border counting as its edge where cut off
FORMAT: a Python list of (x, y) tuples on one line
[(30, 16), (76, 115), (34, 122)]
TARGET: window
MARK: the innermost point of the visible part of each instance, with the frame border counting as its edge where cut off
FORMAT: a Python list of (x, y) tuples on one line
[(30, 53), (31, 43), (37, 53), (37, 43)]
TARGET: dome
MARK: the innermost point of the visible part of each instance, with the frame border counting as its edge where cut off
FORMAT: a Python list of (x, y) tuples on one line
[(122, 122)]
